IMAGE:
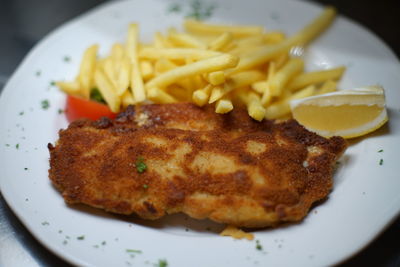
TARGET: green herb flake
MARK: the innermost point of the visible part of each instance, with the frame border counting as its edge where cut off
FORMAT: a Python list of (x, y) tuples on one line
[(45, 104), (45, 223), (381, 162), (96, 95), (96, 246), (380, 151), (60, 231), (38, 73), (174, 8), (60, 111), (25, 169), (67, 59), (65, 242), (162, 263), (140, 165), (199, 11), (258, 245), (134, 251), (81, 237), (21, 113), (103, 243), (145, 186), (7, 145), (52, 83), (17, 146)]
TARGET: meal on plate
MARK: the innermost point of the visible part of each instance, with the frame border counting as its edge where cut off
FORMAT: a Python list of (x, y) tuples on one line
[(201, 122)]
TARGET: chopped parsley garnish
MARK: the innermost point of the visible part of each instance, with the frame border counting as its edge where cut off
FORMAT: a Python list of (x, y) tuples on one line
[(96, 246), (95, 95), (162, 263), (258, 245), (140, 165), (65, 242), (17, 146), (381, 162), (175, 8), (379, 151), (7, 144), (45, 104), (67, 59), (103, 243), (81, 237), (60, 111), (21, 113), (25, 169), (134, 251), (45, 223), (145, 186), (52, 83), (60, 231), (38, 73), (199, 11)]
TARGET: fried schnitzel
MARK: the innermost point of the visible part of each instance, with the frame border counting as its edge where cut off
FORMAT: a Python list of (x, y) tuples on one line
[(155, 160)]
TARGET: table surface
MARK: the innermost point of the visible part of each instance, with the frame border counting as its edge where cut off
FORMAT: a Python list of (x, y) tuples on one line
[(20, 30)]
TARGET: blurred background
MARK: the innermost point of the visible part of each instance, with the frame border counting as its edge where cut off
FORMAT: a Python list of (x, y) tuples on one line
[(24, 23)]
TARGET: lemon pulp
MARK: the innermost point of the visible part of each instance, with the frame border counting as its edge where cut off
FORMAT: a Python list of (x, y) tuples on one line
[(336, 118)]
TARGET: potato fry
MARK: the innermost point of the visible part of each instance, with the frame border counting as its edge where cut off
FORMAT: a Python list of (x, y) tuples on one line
[(284, 75), (315, 77), (206, 65), (274, 37), (195, 26), (159, 96), (235, 81), (137, 86), (260, 56), (282, 108), (162, 65), (221, 41), (185, 40), (253, 104), (251, 41), (117, 51), (223, 106), (280, 61), (146, 69), (123, 76), (127, 99), (86, 70), (260, 86), (179, 93), (327, 87), (107, 91), (316, 27), (216, 77), (177, 53), (264, 87), (200, 96), (70, 88)]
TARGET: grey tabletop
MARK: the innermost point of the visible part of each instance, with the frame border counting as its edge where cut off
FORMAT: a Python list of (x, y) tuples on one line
[(21, 28)]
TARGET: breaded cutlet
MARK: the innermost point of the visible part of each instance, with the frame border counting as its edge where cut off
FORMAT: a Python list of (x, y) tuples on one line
[(155, 160)]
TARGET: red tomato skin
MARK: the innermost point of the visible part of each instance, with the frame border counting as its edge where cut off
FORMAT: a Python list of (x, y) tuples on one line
[(77, 108)]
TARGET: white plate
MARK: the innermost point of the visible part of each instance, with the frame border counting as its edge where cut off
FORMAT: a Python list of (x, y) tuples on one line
[(365, 198)]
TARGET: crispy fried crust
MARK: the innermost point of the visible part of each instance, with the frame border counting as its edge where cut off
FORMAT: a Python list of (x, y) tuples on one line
[(228, 168)]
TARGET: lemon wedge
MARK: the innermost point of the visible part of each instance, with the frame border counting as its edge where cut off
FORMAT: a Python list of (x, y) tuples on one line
[(346, 113)]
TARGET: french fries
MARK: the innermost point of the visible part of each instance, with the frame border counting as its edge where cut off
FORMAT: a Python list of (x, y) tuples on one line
[(221, 65)]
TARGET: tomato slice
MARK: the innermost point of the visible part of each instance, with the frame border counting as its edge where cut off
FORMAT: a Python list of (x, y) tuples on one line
[(77, 108)]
